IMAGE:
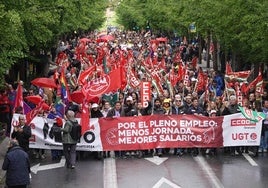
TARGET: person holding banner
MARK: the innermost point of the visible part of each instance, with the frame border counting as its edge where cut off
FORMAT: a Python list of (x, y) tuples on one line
[(114, 113), (96, 113), (195, 109), (158, 109), (129, 110), (178, 109), (233, 108), (106, 108)]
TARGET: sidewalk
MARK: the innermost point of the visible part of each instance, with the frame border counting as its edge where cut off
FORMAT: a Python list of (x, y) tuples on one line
[(3, 150)]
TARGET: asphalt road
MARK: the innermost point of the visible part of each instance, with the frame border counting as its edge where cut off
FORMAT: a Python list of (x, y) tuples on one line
[(153, 172)]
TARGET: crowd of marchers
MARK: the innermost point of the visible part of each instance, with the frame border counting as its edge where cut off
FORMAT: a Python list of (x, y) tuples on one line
[(179, 85)]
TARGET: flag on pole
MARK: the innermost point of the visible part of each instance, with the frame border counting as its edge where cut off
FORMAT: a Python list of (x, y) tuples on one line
[(19, 97), (65, 94), (252, 115), (85, 117), (228, 68)]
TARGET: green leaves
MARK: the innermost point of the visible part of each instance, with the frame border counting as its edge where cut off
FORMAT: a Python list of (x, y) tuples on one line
[(38, 24), (240, 26)]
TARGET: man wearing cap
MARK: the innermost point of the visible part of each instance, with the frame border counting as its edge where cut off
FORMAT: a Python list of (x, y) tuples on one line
[(95, 111), (130, 109), (167, 106)]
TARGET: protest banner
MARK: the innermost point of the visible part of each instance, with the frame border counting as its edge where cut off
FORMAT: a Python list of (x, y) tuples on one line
[(156, 131)]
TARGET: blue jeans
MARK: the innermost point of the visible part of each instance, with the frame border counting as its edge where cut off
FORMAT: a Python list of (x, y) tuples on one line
[(264, 141)]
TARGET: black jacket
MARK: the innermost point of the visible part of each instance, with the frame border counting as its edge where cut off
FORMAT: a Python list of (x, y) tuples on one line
[(23, 137), (111, 113), (17, 165)]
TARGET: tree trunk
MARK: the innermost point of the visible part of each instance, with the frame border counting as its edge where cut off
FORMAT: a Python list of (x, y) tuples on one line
[(214, 55)]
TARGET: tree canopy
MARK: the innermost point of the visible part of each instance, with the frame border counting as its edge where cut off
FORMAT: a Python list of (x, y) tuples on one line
[(32, 25), (239, 26)]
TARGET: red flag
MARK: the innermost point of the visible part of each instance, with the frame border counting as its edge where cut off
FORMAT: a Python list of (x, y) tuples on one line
[(134, 82), (19, 97), (157, 82), (62, 59), (240, 76), (257, 83), (85, 117), (238, 94), (228, 69), (82, 78), (123, 77), (194, 62), (201, 83), (31, 115), (177, 57), (103, 84), (181, 72), (244, 88), (162, 64), (186, 80), (145, 93)]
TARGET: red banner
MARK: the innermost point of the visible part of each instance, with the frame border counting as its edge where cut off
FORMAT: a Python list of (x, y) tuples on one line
[(160, 132), (145, 93), (156, 131)]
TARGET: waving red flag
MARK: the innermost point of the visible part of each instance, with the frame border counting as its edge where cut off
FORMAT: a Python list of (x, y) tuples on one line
[(257, 83), (228, 69), (19, 96), (103, 84), (82, 78), (181, 72), (123, 77), (85, 117), (200, 84)]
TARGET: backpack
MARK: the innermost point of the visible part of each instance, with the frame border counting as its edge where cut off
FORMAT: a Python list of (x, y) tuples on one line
[(76, 131)]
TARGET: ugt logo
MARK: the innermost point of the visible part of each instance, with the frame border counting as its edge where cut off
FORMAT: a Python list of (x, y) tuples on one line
[(98, 85)]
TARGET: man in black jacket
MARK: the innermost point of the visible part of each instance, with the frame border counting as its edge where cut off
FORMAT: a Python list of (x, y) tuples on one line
[(22, 133), (17, 165), (114, 113)]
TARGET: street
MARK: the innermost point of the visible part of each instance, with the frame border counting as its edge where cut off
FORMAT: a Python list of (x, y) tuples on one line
[(168, 171)]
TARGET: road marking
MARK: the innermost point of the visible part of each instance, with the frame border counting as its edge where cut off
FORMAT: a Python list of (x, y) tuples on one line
[(156, 160), (36, 168), (249, 159), (212, 177), (109, 173), (165, 181)]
